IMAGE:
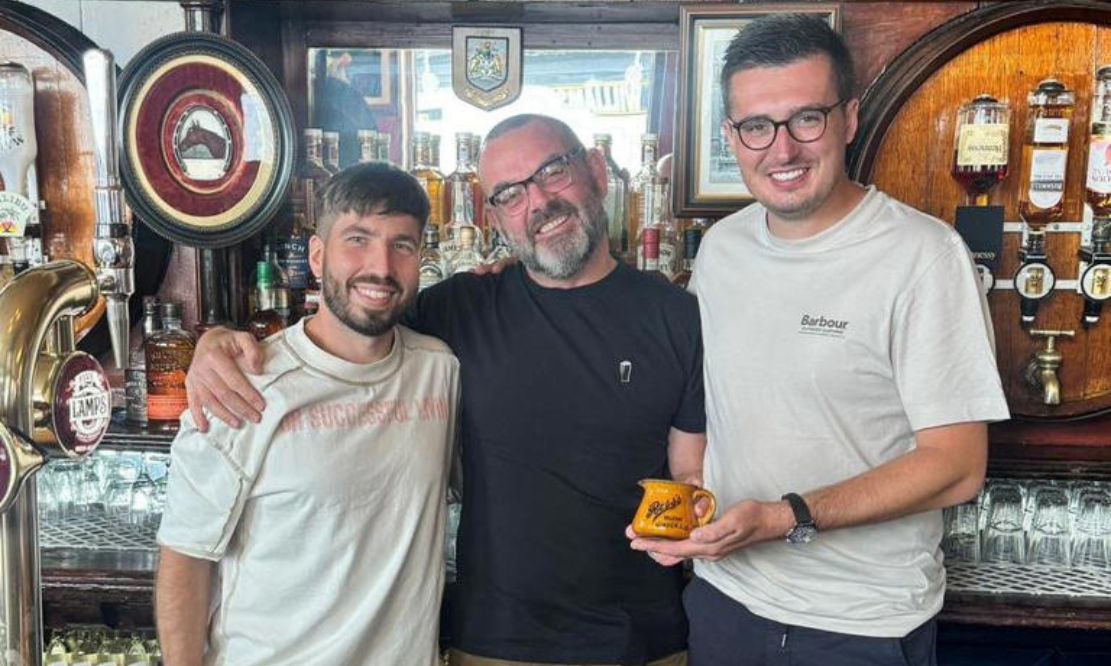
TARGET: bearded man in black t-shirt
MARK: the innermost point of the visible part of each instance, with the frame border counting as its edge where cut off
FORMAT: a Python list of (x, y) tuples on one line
[(580, 376)]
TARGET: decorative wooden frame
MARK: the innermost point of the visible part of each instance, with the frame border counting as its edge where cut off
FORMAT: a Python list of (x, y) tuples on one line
[(706, 181), (225, 150)]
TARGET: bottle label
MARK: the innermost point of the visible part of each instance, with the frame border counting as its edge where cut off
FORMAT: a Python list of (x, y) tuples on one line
[(135, 388), (16, 213), (1099, 165), (982, 145), (1047, 177), (166, 407), (669, 259), (1051, 130), (430, 274), (295, 261)]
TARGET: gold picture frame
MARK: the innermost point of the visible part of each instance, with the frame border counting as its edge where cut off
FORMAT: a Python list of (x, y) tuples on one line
[(706, 180)]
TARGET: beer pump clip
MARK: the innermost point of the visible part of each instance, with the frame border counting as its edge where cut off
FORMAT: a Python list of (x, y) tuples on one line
[(1034, 279), (1095, 274)]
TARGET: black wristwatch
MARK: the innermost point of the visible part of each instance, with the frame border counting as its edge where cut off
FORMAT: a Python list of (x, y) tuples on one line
[(804, 530)]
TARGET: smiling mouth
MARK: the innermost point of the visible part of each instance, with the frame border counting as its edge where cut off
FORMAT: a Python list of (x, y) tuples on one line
[(551, 225), (788, 176), (374, 293)]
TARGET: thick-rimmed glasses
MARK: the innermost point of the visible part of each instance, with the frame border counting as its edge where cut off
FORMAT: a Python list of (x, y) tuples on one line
[(553, 176), (806, 126)]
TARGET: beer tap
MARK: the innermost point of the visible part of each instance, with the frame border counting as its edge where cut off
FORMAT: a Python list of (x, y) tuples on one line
[(113, 248), (1095, 272), (1041, 371), (55, 402)]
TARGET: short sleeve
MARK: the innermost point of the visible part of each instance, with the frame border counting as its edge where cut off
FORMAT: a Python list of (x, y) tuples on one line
[(205, 494), (943, 347), (691, 415)]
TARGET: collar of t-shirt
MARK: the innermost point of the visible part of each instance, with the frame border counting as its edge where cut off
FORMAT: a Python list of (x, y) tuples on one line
[(846, 230), (575, 292), (310, 354)]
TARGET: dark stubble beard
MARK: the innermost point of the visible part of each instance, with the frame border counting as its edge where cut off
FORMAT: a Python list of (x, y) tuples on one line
[(565, 257), (370, 324)]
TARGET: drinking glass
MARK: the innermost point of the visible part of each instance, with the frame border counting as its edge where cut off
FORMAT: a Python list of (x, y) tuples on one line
[(1091, 537), (1003, 538), (1050, 529), (961, 542)]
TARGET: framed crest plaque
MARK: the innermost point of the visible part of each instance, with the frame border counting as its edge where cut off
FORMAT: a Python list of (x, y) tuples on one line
[(208, 142), (486, 65)]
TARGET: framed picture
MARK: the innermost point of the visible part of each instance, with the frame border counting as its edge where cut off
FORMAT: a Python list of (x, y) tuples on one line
[(486, 65), (208, 146), (707, 181)]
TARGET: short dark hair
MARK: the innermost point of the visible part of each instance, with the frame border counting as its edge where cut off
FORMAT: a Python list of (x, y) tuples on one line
[(521, 119), (782, 39), (371, 188)]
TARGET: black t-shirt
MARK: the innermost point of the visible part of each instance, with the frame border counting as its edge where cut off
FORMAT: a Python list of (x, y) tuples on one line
[(568, 397)]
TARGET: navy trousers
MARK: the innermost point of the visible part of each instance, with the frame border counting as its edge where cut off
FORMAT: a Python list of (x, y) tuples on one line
[(724, 633)]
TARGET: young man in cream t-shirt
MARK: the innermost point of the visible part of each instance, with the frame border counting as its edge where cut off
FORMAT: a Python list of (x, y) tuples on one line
[(316, 535)]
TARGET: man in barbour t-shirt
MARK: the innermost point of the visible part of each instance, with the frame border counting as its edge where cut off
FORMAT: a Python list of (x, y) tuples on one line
[(580, 377)]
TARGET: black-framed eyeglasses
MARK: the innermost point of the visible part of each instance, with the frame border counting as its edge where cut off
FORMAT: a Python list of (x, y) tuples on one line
[(805, 126), (553, 176)]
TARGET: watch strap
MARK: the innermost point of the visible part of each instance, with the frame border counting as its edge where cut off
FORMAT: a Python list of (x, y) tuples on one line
[(799, 508)]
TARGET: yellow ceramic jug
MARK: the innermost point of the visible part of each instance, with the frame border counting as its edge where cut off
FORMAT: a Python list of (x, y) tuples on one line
[(667, 510)]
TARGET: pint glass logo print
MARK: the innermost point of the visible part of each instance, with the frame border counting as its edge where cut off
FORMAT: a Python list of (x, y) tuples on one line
[(625, 372)]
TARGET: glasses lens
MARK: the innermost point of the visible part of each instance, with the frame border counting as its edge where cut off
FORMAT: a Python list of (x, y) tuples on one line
[(808, 125), (757, 133), (511, 198)]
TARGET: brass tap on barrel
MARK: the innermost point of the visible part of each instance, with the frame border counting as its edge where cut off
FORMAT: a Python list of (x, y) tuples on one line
[(1041, 371)]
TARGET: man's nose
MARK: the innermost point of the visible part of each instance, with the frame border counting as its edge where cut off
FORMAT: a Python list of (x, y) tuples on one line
[(784, 147), (538, 198), (377, 259)]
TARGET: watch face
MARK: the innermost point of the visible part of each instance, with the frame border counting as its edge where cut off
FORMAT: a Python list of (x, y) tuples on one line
[(802, 534)]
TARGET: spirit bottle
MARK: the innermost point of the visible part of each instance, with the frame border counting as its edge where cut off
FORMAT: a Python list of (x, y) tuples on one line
[(466, 257), (1045, 154), (331, 152), (430, 179), (463, 183), (646, 194), (135, 378), (19, 201), (265, 320), (671, 243), (650, 251), (692, 238), (616, 202), (383, 147), (500, 249), (1099, 147), (368, 146), (431, 260), (982, 143), (169, 353), (311, 178)]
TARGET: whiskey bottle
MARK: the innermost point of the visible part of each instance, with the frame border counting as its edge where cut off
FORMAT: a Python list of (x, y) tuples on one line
[(368, 146), (331, 152), (311, 177), (383, 147), (1045, 153), (646, 194), (19, 200), (430, 179), (265, 320), (169, 353), (981, 146), (671, 242), (1098, 186), (135, 378), (616, 202), (431, 260)]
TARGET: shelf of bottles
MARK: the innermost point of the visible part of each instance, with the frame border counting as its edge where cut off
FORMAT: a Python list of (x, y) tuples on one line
[(92, 645)]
